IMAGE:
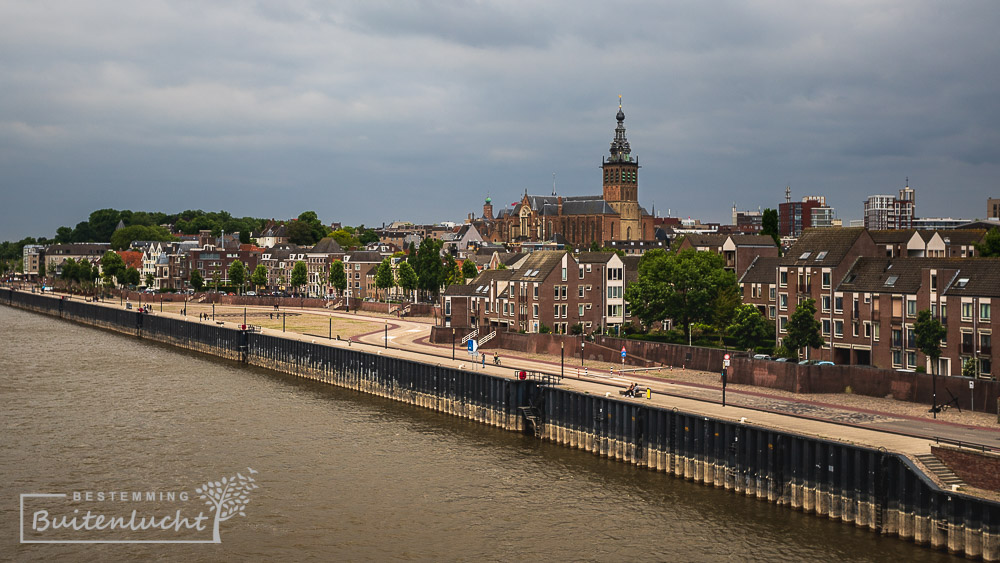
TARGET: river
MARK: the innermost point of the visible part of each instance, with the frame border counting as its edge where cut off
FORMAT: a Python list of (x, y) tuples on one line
[(346, 476)]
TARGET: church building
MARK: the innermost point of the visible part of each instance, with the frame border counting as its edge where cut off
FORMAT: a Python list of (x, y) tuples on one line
[(615, 215)]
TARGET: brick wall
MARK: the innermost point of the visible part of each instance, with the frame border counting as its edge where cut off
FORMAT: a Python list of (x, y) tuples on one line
[(979, 469)]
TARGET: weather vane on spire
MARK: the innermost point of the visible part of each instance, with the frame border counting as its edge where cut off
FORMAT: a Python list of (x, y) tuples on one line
[(619, 101)]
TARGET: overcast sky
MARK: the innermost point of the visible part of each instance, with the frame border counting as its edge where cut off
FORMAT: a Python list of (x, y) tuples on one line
[(369, 111)]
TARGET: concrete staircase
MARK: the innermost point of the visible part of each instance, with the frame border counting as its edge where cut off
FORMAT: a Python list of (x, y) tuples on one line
[(935, 466), (472, 334)]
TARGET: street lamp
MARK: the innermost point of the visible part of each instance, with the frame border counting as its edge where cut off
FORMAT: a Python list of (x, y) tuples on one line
[(453, 343), (562, 359)]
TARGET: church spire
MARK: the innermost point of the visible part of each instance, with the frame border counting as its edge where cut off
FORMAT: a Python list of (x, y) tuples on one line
[(620, 149)]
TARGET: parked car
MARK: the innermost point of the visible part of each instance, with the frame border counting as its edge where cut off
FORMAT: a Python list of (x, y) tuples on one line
[(761, 357), (782, 360), (825, 363), (251, 294)]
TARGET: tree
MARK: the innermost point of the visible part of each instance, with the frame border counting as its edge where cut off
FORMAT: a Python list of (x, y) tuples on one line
[(724, 307), (216, 279), (406, 277), (300, 275), (132, 276), (769, 225), (84, 273), (383, 275), (113, 265), (149, 279), (594, 247), (680, 286), (969, 368), (123, 238), (990, 247), (345, 239), (69, 270), (930, 332), (803, 328), (197, 282), (430, 270), (367, 236), (259, 277), (300, 233), (749, 327), (411, 250), (469, 269), (237, 273), (338, 278)]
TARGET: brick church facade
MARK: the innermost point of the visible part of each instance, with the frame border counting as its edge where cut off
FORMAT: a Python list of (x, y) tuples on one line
[(615, 215)]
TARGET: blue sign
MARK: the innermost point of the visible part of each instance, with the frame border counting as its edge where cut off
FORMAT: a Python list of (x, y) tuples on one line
[(623, 351), (472, 344)]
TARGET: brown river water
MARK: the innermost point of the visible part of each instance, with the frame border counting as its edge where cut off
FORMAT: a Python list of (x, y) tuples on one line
[(341, 476)]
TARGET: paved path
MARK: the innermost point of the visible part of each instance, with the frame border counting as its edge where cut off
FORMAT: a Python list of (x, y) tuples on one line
[(408, 339)]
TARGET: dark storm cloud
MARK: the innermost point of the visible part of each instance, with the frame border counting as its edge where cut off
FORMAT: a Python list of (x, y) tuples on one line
[(375, 111)]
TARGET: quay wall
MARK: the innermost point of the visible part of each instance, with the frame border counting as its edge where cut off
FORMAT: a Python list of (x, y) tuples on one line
[(869, 488)]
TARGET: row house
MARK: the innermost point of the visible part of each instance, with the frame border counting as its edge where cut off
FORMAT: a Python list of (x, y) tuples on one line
[(56, 254), (273, 234), (815, 265), (318, 261), (278, 260), (914, 243), (759, 284), (213, 262), (738, 250), (458, 242), (360, 268), (872, 323), (551, 288)]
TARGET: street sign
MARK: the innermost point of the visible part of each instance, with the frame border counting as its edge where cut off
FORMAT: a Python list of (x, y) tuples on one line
[(726, 357), (725, 363), (473, 346), (623, 351), (972, 384)]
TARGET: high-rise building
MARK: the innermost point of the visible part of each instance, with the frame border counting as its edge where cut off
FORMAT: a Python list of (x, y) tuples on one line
[(797, 216), (886, 212)]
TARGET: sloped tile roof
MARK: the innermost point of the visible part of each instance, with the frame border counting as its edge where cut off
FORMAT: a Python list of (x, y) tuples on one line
[(892, 237), (835, 242), (594, 257), (753, 240), (762, 270), (542, 260), (699, 240), (327, 246)]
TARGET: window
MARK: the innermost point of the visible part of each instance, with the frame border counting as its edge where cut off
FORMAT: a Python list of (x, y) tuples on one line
[(782, 323), (825, 303), (565, 308), (826, 279), (447, 306), (967, 311), (911, 337), (838, 328), (911, 359), (897, 358), (555, 312), (868, 329), (580, 310), (783, 301), (891, 281), (581, 272), (876, 329), (911, 307), (985, 344), (826, 327), (838, 303), (805, 255), (822, 254), (770, 312), (556, 288), (897, 338), (564, 291), (581, 291), (534, 310), (504, 307), (564, 274), (783, 278), (771, 294), (984, 366), (984, 311)]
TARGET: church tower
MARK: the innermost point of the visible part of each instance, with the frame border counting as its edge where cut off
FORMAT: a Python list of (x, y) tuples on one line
[(621, 182)]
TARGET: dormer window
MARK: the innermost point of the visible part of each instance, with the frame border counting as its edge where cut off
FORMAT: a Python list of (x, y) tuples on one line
[(805, 255), (962, 282), (891, 281), (821, 255)]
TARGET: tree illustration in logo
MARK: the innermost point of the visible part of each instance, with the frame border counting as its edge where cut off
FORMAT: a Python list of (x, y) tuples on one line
[(229, 497)]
